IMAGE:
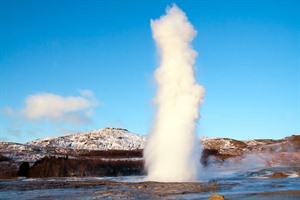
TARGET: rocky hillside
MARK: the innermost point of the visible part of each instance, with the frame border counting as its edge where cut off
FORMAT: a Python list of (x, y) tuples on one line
[(107, 139), (120, 144), (236, 147), (102, 139)]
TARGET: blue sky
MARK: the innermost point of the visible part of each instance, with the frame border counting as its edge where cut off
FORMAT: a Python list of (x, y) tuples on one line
[(95, 60)]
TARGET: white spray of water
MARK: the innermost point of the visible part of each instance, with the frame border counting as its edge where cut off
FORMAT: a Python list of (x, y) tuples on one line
[(171, 152)]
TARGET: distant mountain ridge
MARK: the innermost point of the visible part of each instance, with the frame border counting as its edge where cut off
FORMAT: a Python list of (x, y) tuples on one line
[(120, 144), (108, 139), (101, 139), (122, 139)]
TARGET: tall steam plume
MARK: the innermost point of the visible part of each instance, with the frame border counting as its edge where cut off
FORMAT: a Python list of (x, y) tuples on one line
[(171, 152)]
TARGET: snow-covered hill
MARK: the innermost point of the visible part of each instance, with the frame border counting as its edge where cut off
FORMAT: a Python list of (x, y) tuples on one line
[(102, 139), (88, 145), (22, 152)]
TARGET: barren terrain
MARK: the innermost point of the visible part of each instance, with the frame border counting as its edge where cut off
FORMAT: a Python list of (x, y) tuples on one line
[(108, 163)]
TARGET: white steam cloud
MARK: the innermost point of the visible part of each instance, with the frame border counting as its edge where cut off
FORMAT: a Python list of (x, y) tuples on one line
[(171, 152)]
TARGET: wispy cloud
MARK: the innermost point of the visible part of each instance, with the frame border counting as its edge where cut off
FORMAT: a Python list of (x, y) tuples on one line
[(87, 93), (8, 111), (49, 107)]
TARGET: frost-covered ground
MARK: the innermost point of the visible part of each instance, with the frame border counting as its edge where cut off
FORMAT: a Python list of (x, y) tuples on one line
[(268, 183)]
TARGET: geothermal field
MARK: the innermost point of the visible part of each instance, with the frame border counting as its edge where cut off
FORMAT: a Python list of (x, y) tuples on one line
[(172, 162), (268, 183)]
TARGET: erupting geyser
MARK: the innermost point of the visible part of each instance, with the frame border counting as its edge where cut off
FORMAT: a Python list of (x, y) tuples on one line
[(172, 153)]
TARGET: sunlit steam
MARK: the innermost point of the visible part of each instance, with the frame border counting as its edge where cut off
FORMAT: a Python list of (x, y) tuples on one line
[(171, 152)]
